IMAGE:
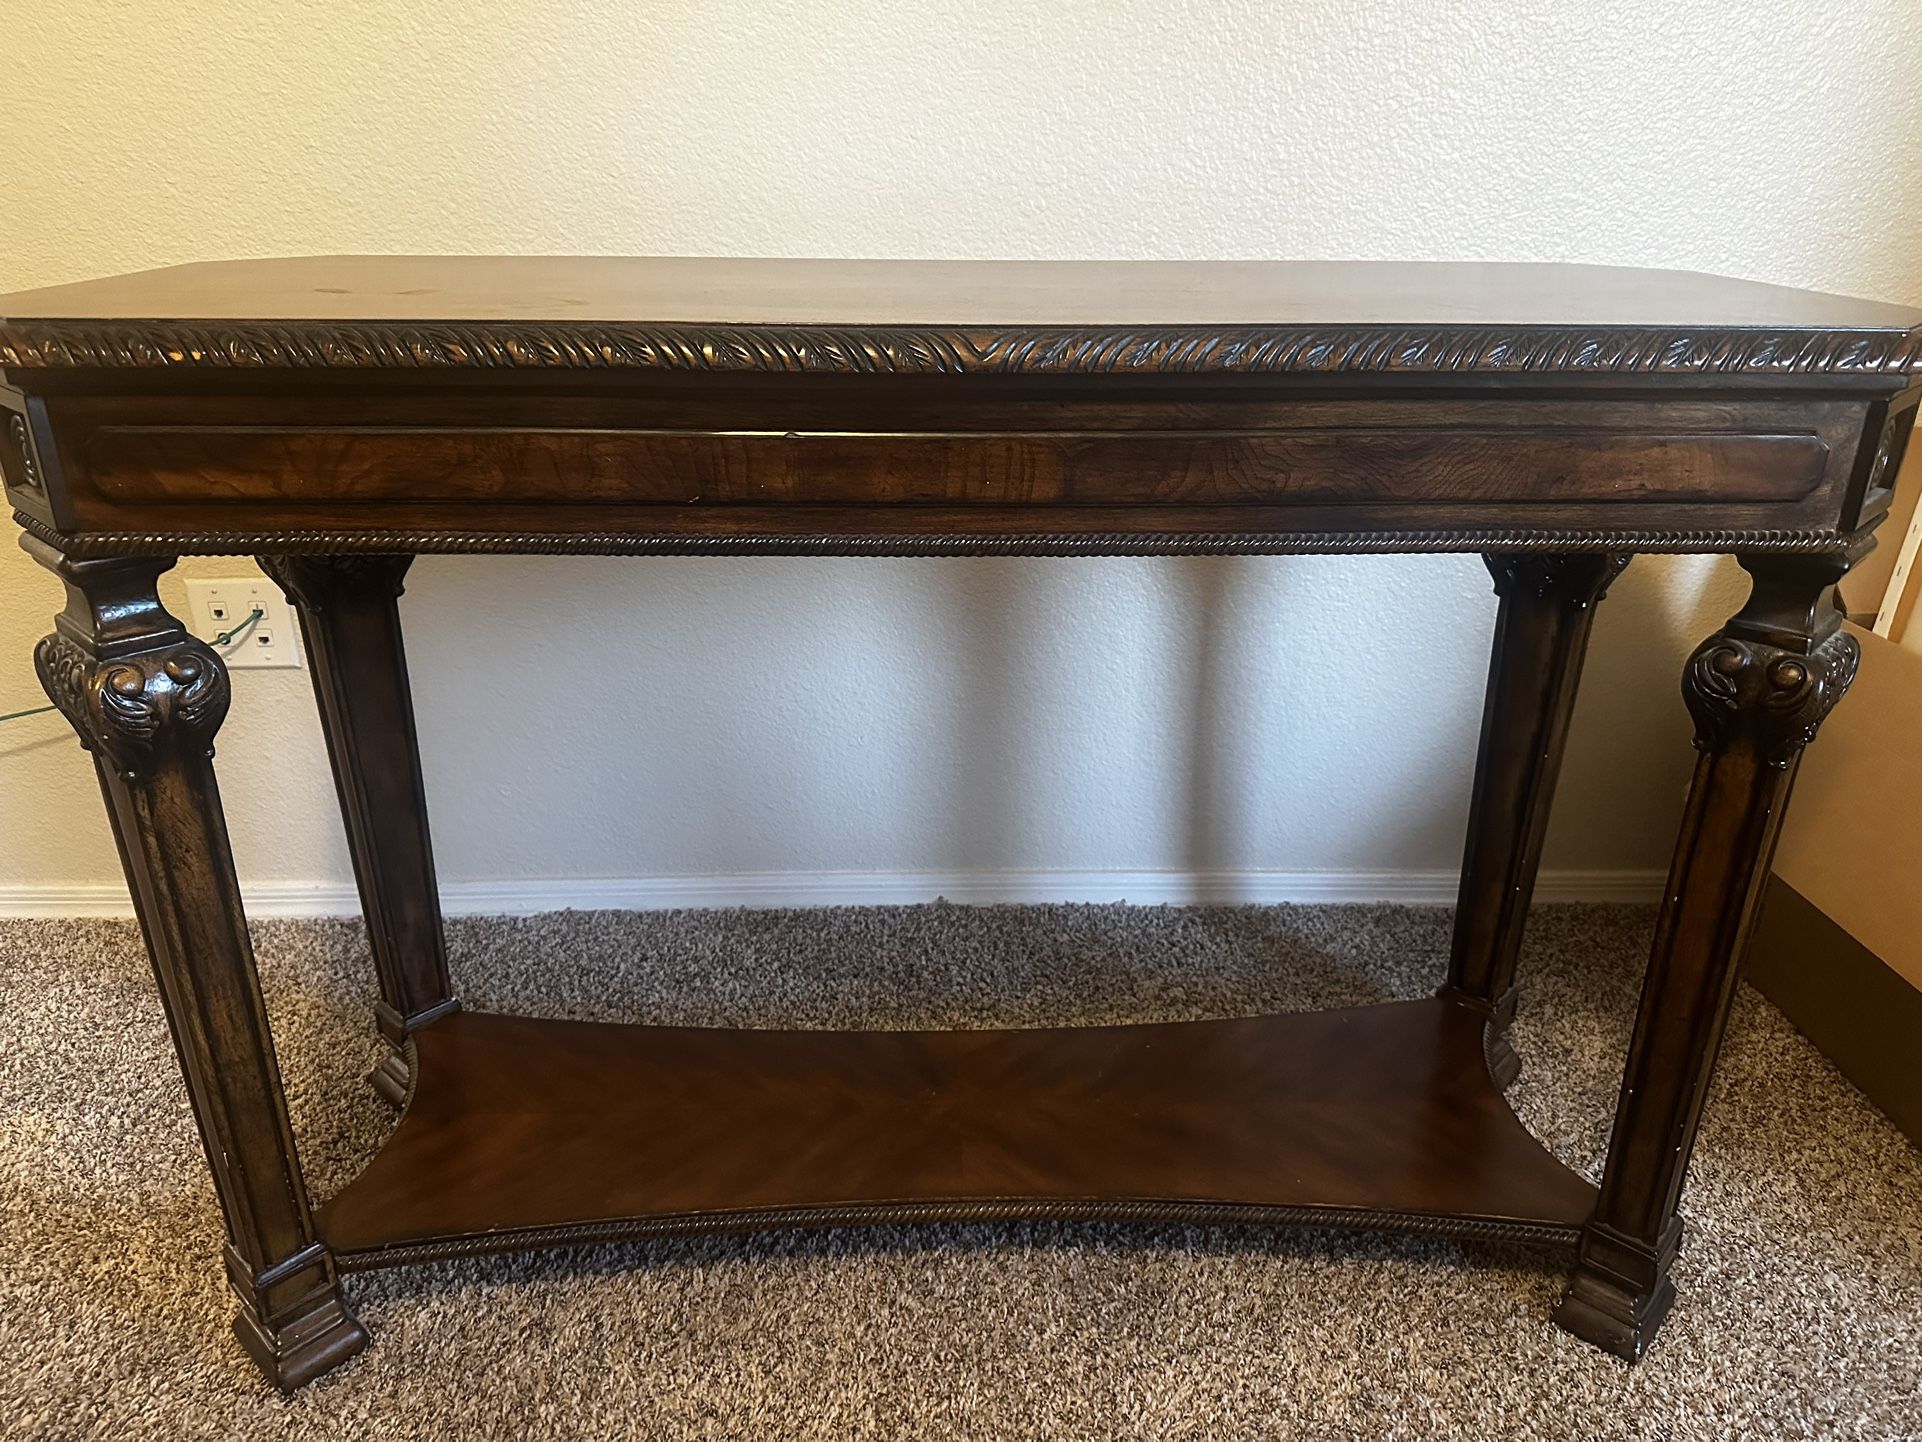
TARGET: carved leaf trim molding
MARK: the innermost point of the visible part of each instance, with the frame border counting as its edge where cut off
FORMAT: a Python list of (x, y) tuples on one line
[(1268, 350)]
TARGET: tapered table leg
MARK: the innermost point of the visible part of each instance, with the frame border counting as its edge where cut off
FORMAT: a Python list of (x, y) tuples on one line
[(1541, 636), (1757, 691), (146, 699), (351, 621)]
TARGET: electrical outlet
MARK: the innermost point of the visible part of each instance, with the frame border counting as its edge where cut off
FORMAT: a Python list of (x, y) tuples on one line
[(224, 605)]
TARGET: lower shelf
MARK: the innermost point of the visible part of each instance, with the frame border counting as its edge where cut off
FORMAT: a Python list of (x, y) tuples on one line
[(524, 1132)]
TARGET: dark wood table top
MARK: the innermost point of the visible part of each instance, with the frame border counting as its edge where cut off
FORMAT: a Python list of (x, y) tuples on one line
[(1100, 316), (908, 407)]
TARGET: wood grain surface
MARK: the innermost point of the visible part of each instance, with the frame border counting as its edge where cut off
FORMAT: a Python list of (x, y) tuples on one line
[(521, 1124)]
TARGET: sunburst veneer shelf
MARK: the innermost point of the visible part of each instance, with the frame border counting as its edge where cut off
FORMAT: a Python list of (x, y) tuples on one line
[(529, 1132)]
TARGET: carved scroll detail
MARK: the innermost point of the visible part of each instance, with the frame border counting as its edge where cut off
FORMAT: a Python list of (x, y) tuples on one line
[(127, 709), (20, 468), (1741, 690)]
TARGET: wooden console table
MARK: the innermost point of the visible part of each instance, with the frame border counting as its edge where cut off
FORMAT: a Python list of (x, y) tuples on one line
[(336, 417)]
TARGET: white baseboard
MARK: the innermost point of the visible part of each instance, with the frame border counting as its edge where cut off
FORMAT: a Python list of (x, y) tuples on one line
[(866, 888)]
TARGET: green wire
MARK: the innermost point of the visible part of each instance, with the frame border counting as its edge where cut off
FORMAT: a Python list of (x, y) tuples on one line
[(225, 638)]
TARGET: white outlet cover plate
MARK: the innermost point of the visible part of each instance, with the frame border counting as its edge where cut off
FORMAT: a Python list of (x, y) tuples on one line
[(215, 606)]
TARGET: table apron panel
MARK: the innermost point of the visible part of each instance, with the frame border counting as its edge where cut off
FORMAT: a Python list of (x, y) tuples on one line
[(716, 464), (286, 465)]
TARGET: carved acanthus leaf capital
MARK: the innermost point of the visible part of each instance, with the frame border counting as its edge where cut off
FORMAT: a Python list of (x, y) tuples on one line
[(1579, 579), (311, 582), (129, 708), (1743, 690)]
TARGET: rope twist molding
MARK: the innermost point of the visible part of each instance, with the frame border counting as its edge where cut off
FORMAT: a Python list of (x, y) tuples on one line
[(623, 543), (1176, 1213)]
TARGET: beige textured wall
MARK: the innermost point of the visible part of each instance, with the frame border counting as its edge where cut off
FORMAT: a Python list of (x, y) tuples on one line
[(643, 718), (1867, 757)]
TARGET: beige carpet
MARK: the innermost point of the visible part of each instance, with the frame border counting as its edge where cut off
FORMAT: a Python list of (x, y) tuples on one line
[(1801, 1279)]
